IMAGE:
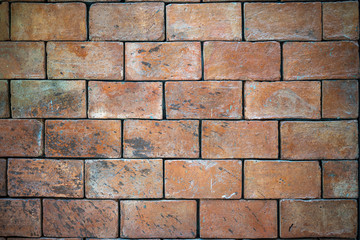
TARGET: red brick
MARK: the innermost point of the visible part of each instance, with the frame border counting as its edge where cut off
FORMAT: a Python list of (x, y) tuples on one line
[(48, 99), (168, 1), (4, 21), (318, 218), (124, 178), (45, 178), (238, 219), (320, 60), (20, 217), (242, 61), (127, 22), (42, 21), (83, 138), (85, 60), (2, 177), (22, 60), (319, 140), (80, 218), (282, 179), (4, 99), (203, 179), (168, 139), (162, 219), (239, 139), (282, 21), (20, 138), (125, 100), (204, 21), (340, 99), (163, 61), (340, 179), (282, 100)]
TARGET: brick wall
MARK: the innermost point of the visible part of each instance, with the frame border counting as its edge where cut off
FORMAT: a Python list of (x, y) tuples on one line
[(167, 120)]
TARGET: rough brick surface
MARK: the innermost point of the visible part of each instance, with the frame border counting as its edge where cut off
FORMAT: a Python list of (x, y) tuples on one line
[(4, 99), (4, 21), (2, 177)]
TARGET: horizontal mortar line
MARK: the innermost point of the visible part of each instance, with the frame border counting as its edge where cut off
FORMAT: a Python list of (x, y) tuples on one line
[(187, 80), (191, 119)]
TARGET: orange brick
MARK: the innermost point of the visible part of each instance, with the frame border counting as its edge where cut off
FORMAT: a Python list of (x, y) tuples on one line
[(42, 21), (320, 60), (125, 100), (242, 61), (162, 219), (4, 21), (282, 100), (85, 60), (319, 140), (2, 177), (238, 219), (4, 99), (318, 218), (239, 139), (83, 138), (203, 100), (163, 61)]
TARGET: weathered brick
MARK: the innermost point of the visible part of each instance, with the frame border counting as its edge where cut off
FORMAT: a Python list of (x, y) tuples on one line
[(242, 61), (125, 100), (340, 99), (320, 60), (4, 21), (169, 139), (42, 21), (2, 177), (48, 99), (124, 178), (20, 138), (85, 60), (163, 61), (45, 178), (340, 179), (83, 138), (282, 100), (318, 218), (282, 179), (127, 22), (4, 99), (80, 218), (44, 238), (169, 1), (22, 60), (319, 140), (239, 139), (162, 219), (204, 21), (20, 217), (203, 179), (238, 219)]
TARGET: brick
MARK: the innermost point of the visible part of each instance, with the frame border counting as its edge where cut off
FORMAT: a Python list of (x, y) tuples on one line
[(20, 138), (125, 100), (282, 21), (80, 218), (162, 219), (340, 179), (42, 21), (203, 179), (340, 99), (221, 100), (282, 179), (239, 139), (167, 1), (48, 99), (45, 178), (168, 139), (238, 219), (319, 140), (318, 218), (135, 178), (22, 60), (4, 21), (83, 138), (2, 177), (188, 21), (44, 238), (85, 60), (320, 60), (4, 99), (163, 61), (282, 100), (242, 61), (20, 217), (127, 22)]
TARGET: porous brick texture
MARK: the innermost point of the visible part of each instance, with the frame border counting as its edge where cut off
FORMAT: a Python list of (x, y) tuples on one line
[(179, 119)]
